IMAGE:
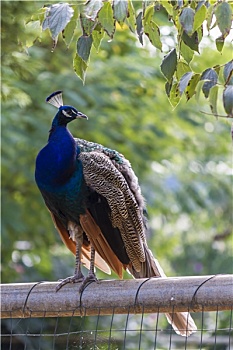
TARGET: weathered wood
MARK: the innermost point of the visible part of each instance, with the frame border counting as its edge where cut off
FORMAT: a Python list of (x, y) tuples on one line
[(205, 293)]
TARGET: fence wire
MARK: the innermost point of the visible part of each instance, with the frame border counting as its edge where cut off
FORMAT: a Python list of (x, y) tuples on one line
[(116, 332)]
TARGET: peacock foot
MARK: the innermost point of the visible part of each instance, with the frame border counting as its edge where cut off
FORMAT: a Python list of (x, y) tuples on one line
[(91, 277), (78, 277)]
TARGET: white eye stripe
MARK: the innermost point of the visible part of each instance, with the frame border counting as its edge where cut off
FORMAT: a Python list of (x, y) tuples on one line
[(66, 114)]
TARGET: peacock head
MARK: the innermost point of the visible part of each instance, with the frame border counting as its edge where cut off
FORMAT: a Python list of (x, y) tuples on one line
[(65, 113)]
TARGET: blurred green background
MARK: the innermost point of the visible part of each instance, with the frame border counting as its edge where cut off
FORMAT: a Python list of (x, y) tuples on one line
[(183, 158)]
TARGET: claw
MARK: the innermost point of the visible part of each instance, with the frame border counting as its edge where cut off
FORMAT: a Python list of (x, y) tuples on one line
[(72, 279), (90, 278)]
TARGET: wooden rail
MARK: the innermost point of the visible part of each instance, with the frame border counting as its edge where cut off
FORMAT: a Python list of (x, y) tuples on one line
[(205, 293)]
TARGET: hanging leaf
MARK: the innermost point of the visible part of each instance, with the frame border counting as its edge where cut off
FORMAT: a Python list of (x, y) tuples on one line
[(57, 17), (213, 98), (228, 73), (87, 25), (97, 36), (186, 19), (228, 100), (168, 7), (80, 67), (70, 28), (139, 27), (168, 87), (84, 47), (92, 8), (131, 19), (149, 11), (186, 52), (199, 89), (174, 95), (106, 19), (191, 41), (153, 33), (181, 69), (211, 78), (199, 17), (220, 43), (209, 16), (191, 87), (169, 64), (183, 83), (120, 10), (223, 15)]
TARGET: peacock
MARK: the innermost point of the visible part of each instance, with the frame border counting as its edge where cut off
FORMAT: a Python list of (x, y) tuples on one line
[(96, 204)]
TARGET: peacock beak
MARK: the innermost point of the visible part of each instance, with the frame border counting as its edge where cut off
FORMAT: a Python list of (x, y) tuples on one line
[(81, 115)]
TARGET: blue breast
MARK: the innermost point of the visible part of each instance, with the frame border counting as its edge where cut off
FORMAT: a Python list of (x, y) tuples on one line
[(59, 176)]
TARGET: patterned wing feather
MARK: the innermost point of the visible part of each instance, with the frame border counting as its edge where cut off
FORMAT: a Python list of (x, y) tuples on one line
[(103, 176)]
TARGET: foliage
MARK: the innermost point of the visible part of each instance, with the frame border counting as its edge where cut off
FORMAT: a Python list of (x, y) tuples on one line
[(122, 104), (182, 158), (186, 20)]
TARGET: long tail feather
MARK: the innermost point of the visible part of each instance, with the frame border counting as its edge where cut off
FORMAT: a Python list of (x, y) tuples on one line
[(182, 322)]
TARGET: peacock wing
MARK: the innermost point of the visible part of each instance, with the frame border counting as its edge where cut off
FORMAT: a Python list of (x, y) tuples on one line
[(86, 247), (121, 163), (104, 177)]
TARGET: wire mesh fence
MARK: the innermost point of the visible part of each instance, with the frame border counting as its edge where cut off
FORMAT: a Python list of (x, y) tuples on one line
[(113, 332), (116, 325)]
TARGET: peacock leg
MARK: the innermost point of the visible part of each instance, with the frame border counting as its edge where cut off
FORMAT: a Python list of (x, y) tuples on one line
[(76, 233), (91, 277)]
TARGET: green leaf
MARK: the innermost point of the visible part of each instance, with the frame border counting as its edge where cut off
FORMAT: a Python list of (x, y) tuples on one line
[(223, 15), (168, 87), (191, 88), (174, 95), (199, 17), (186, 52), (120, 10), (149, 11), (168, 7), (92, 8), (228, 100), (199, 89), (181, 69), (183, 83), (131, 19), (84, 44), (106, 19), (97, 36), (153, 33), (186, 19), (191, 41), (209, 16), (220, 43), (80, 67), (70, 28), (228, 73), (213, 98), (139, 27), (87, 25), (211, 78), (169, 64), (57, 17)]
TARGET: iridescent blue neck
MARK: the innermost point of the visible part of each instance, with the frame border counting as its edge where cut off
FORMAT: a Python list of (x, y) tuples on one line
[(56, 162)]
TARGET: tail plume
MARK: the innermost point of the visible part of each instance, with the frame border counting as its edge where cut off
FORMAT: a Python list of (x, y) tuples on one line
[(182, 322)]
